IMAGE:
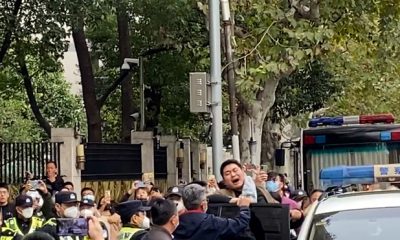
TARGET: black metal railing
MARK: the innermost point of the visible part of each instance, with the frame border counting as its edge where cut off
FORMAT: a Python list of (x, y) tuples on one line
[(18, 158)]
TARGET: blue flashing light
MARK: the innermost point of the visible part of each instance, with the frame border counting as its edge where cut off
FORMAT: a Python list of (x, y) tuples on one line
[(386, 136), (326, 121), (321, 139), (344, 175)]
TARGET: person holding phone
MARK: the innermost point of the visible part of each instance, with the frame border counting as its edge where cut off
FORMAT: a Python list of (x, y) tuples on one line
[(54, 182)]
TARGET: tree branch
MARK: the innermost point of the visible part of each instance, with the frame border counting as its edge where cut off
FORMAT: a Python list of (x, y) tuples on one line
[(31, 96), (117, 82), (160, 49), (9, 32), (272, 83)]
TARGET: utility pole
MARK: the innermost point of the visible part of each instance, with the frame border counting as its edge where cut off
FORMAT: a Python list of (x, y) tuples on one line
[(226, 18), (216, 91)]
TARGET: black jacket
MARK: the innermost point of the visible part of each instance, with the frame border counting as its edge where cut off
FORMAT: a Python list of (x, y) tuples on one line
[(195, 225), (8, 211), (157, 233)]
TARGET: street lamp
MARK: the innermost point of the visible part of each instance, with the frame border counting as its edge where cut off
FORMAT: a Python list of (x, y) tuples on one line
[(126, 66)]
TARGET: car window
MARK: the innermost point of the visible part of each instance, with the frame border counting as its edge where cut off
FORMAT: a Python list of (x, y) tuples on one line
[(366, 224)]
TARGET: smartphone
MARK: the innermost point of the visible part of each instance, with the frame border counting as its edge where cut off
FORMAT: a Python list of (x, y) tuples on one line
[(107, 194), (264, 168), (34, 184), (72, 226)]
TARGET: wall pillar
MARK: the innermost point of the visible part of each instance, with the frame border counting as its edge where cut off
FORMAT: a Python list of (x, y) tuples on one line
[(68, 155), (171, 144), (147, 141), (186, 170), (204, 172), (195, 151)]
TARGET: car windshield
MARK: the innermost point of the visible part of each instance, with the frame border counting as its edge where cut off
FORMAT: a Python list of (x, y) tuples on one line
[(376, 223)]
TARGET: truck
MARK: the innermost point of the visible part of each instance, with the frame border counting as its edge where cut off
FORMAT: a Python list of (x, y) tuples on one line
[(348, 140)]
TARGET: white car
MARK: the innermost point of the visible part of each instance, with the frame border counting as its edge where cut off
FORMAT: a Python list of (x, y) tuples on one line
[(355, 215)]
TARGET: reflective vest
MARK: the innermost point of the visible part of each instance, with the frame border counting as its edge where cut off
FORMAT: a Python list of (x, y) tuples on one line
[(127, 232), (7, 233), (35, 224)]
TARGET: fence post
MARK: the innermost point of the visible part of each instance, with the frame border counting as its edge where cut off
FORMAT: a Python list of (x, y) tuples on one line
[(170, 143), (195, 168), (147, 141), (187, 166), (68, 155)]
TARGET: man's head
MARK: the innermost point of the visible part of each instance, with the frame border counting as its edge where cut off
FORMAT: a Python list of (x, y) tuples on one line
[(233, 174), (4, 194), (88, 193), (164, 214), (67, 205), (194, 197), (315, 195), (69, 186), (87, 208), (51, 169), (175, 194), (37, 199), (134, 212), (141, 193), (24, 206)]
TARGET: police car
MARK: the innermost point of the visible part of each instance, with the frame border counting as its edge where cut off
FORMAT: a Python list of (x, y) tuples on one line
[(355, 215)]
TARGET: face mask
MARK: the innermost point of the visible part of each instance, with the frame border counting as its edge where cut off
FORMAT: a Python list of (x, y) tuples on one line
[(272, 186), (180, 207), (146, 223), (89, 197), (27, 212), (86, 213), (71, 212)]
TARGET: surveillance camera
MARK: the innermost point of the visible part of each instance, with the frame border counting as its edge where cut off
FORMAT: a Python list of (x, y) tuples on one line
[(135, 116)]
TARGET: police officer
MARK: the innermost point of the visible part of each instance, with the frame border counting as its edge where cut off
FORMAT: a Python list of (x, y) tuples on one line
[(24, 222), (66, 206), (134, 220)]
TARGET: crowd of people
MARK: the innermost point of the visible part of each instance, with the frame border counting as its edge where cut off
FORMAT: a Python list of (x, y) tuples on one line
[(44, 209)]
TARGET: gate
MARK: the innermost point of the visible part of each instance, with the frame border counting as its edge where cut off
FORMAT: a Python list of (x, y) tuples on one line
[(18, 158), (105, 161), (160, 163)]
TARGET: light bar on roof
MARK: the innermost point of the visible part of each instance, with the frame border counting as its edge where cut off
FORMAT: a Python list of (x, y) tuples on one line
[(362, 119)]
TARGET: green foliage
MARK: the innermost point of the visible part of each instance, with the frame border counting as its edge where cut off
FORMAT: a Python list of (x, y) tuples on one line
[(306, 90)]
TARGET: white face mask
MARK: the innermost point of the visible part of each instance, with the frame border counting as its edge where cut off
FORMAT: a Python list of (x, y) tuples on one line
[(86, 213), (27, 213), (146, 223), (180, 207), (71, 212), (89, 197)]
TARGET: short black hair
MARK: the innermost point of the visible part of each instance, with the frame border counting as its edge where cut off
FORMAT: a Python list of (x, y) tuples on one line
[(226, 163), (272, 176), (51, 162), (155, 189), (38, 235), (162, 210), (87, 189), (4, 185), (68, 183)]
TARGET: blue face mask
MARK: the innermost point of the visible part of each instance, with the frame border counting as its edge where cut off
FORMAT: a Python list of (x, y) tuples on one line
[(272, 186)]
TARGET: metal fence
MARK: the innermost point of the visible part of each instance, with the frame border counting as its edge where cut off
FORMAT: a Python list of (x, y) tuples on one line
[(18, 158)]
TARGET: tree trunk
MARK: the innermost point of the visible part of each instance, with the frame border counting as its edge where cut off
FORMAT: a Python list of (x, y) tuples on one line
[(270, 142), (126, 86), (31, 97), (88, 84), (256, 111), (10, 27)]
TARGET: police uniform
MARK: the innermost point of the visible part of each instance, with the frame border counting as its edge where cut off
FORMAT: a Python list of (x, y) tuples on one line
[(9, 234), (126, 210), (20, 225), (50, 226)]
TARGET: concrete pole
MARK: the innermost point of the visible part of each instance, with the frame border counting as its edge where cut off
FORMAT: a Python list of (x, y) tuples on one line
[(216, 92), (142, 116), (226, 18)]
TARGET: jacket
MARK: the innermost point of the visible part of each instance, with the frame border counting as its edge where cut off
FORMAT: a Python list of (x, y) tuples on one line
[(196, 225), (157, 233), (129, 232), (7, 211), (17, 225)]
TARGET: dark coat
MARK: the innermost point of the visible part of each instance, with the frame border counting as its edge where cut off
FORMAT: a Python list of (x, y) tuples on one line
[(157, 233), (196, 225)]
